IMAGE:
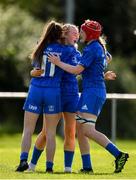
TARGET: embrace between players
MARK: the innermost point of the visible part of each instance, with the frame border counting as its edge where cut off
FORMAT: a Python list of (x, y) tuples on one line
[(53, 92)]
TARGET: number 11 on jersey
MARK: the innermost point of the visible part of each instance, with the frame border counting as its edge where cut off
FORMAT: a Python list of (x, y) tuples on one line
[(46, 64)]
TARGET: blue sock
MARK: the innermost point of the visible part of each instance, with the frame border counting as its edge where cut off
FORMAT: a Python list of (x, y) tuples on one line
[(86, 161), (49, 165), (113, 149), (24, 156), (68, 158), (36, 154)]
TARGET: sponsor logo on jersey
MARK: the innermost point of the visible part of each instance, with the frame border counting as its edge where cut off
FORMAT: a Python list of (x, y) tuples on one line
[(52, 53), (84, 107), (32, 107), (51, 108)]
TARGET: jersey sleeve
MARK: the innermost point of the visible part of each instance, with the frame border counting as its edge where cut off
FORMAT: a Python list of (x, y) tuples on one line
[(87, 58), (35, 64)]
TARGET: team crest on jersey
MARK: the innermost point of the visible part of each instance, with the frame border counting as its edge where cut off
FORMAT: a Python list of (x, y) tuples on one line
[(51, 108), (74, 60), (84, 107)]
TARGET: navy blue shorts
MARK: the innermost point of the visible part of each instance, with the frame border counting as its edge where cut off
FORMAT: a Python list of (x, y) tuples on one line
[(92, 100), (43, 100), (69, 102)]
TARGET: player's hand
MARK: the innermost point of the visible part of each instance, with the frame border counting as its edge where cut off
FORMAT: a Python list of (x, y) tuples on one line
[(110, 75), (54, 59), (36, 72)]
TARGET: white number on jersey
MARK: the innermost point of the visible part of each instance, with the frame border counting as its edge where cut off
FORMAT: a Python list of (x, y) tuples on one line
[(44, 66)]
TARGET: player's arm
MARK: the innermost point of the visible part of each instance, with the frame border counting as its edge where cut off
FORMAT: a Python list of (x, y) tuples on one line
[(36, 72), (66, 67), (110, 75)]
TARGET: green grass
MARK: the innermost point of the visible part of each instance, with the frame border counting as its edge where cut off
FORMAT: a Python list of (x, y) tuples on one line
[(102, 161)]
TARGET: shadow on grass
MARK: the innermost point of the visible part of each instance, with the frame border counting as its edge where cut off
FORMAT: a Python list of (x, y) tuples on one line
[(43, 172), (96, 174), (99, 174)]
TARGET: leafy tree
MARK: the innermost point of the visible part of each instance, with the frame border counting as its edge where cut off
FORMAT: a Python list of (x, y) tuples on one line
[(40, 9), (19, 33)]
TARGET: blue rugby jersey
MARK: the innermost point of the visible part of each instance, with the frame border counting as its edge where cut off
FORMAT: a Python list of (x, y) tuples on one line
[(94, 61), (69, 84), (52, 74)]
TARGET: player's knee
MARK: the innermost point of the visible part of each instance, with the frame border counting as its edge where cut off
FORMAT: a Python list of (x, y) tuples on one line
[(90, 132), (80, 132)]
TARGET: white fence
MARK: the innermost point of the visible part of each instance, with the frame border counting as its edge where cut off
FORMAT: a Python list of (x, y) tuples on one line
[(113, 97)]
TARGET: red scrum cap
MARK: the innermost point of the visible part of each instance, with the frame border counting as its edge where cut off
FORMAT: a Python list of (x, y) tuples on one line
[(92, 29)]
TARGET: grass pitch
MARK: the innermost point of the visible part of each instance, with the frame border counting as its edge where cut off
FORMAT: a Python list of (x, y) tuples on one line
[(103, 162)]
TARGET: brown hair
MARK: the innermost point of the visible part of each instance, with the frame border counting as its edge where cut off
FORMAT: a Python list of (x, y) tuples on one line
[(52, 32)]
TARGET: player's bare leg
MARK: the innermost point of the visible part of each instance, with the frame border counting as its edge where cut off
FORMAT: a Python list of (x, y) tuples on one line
[(38, 148), (69, 140), (51, 121), (90, 131), (84, 147), (30, 120)]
